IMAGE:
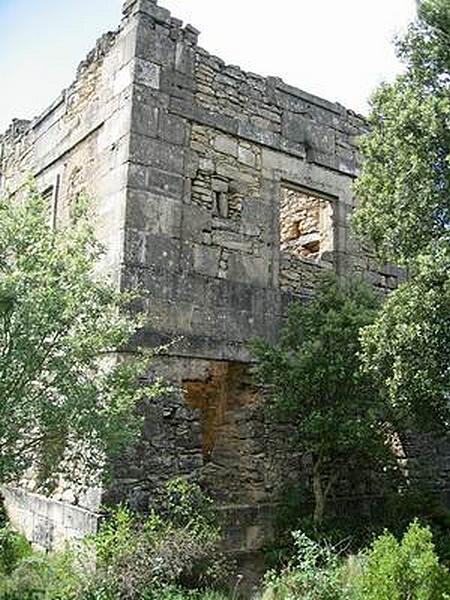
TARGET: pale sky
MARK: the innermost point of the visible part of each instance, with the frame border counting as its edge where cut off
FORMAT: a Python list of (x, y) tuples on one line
[(337, 49)]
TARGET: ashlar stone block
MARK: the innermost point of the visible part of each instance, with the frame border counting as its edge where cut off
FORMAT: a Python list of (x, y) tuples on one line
[(226, 145), (206, 260), (147, 73)]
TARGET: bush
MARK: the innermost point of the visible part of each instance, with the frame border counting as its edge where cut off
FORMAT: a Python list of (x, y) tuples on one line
[(137, 556), (357, 529), (13, 548), (38, 577), (175, 545), (63, 575), (171, 593), (387, 570), (164, 556), (314, 574), (184, 505), (406, 570)]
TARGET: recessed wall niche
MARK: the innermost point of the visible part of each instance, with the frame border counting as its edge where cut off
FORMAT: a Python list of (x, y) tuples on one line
[(306, 237)]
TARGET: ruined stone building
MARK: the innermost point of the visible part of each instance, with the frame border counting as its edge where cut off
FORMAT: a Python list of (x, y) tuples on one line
[(222, 195)]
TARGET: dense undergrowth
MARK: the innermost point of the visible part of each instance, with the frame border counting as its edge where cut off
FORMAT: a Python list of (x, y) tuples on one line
[(170, 554), (173, 554), (388, 569)]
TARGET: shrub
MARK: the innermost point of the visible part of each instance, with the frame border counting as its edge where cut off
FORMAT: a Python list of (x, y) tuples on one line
[(171, 593), (13, 548), (184, 504), (175, 545), (393, 511), (40, 576), (136, 556), (408, 569), (314, 574), (164, 556), (387, 570)]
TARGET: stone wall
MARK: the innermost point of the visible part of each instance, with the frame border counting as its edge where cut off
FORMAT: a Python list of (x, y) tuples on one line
[(212, 429), (222, 162), (80, 143), (46, 522), (221, 195)]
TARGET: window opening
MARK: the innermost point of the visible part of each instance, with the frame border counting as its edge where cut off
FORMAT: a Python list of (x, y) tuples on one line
[(306, 224)]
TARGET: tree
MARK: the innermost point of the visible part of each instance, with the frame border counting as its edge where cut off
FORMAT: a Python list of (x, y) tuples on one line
[(62, 391), (404, 213), (317, 385), (407, 349), (404, 186)]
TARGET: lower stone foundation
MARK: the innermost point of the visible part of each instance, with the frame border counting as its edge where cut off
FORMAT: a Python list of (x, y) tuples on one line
[(212, 429), (47, 523)]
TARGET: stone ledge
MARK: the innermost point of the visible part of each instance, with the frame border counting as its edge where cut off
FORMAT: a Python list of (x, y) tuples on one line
[(47, 523)]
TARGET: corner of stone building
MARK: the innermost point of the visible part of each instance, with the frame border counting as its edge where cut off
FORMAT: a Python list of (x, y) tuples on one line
[(199, 167), (159, 15), (162, 69)]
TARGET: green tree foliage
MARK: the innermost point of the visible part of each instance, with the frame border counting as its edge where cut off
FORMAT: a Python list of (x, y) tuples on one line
[(404, 187), (61, 389), (317, 384), (403, 570), (404, 213), (407, 348)]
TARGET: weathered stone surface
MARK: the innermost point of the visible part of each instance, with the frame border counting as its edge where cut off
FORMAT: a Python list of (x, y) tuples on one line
[(46, 522), (145, 119), (222, 196), (206, 260), (226, 145), (160, 214)]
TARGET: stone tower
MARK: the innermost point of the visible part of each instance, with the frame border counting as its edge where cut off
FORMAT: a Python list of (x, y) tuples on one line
[(222, 195)]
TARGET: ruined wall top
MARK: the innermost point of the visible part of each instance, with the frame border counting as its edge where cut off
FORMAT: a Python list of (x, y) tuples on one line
[(160, 17), (20, 127)]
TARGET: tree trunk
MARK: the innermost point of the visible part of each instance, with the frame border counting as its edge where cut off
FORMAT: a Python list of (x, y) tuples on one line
[(319, 494)]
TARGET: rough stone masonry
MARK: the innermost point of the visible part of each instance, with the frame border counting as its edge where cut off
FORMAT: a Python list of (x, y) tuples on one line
[(222, 195)]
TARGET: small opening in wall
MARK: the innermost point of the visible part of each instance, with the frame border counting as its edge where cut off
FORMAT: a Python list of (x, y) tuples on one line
[(220, 204), (306, 223), (50, 197), (47, 195)]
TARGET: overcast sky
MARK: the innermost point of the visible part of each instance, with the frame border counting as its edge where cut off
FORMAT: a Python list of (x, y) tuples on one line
[(338, 49)]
